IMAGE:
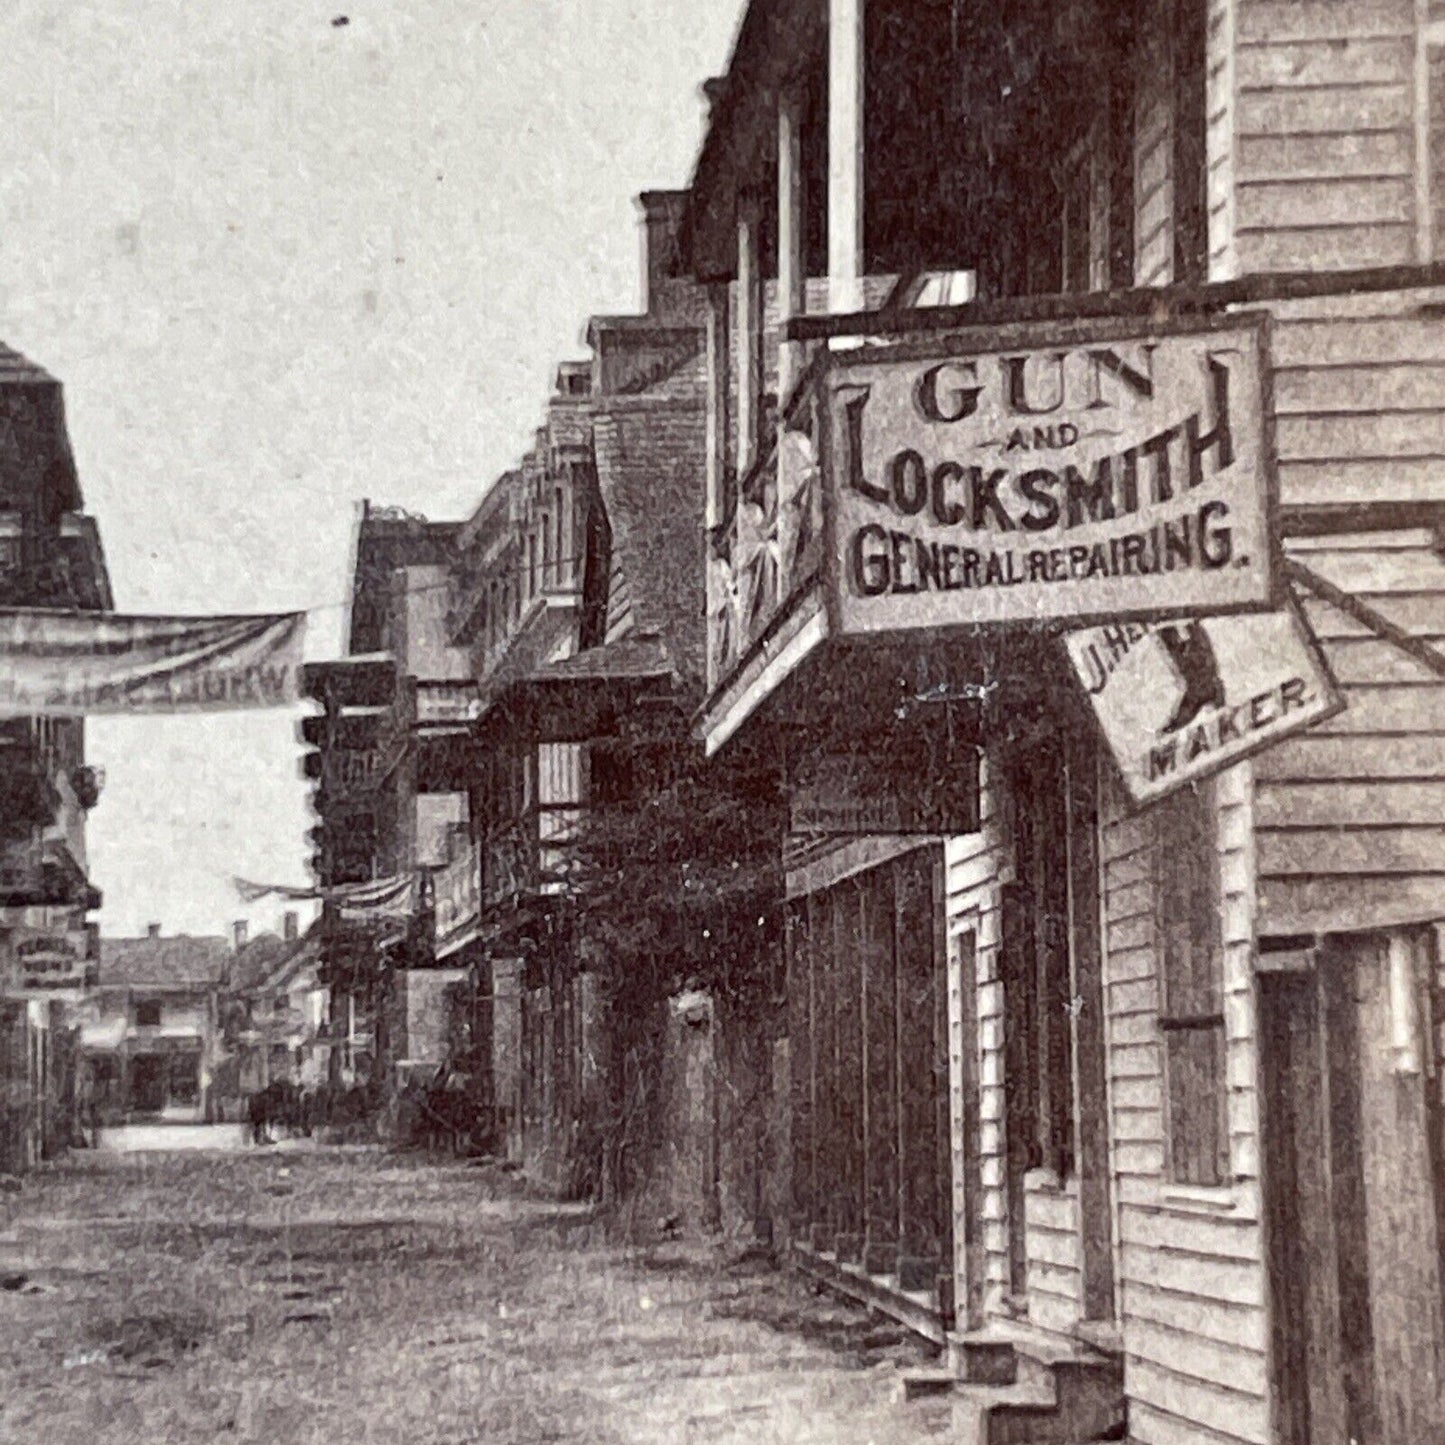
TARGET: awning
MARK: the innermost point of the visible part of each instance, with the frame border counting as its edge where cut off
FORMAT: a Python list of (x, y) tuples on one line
[(580, 697)]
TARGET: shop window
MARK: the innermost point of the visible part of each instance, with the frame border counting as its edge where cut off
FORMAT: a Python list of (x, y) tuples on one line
[(148, 1013), (1191, 1008)]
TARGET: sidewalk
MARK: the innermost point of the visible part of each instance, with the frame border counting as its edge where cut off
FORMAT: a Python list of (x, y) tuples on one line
[(314, 1296)]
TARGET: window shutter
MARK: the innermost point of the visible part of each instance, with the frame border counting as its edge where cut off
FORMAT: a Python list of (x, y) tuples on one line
[(1191, 1012)]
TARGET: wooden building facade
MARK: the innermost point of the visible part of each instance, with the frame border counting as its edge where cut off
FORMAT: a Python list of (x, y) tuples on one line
[(1192, 1107)]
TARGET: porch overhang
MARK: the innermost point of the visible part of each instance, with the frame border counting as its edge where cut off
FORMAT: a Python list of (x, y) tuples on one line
[(583, 696)]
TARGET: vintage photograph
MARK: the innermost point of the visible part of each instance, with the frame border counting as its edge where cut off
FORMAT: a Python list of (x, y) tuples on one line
[(722, 724)]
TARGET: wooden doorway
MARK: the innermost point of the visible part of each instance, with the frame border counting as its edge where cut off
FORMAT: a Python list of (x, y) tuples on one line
[(1314, 1210), (148, 1083), (1056, 1122)]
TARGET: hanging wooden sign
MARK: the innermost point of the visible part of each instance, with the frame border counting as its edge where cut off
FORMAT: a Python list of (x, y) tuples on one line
[(1177, 701), (1079, 472), (865, 794)]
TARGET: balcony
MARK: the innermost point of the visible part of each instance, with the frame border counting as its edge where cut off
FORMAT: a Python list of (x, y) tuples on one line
[(766, 563)]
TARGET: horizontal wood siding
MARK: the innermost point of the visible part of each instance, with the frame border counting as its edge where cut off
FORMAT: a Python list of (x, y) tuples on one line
[(1351, 815), (1359, 395), (973, 863), (1052, 1248), (1190, 1262), (1324, 134)]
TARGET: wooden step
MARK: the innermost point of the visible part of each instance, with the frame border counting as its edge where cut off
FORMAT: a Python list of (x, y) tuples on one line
[(1061, 1394), (982, 1357)]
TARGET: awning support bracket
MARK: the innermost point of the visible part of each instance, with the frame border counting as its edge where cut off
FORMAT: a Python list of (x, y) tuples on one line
[(1417, 648)]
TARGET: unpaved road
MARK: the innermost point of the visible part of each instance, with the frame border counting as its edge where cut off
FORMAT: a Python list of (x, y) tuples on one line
[(347, 1296)]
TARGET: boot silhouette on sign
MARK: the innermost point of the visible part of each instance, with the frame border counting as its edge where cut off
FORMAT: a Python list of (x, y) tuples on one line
[(1192, 655)]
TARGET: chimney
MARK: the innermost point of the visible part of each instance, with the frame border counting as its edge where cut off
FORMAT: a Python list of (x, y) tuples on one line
[(238, 933), (153, 930), (290, 926), (661, 228), (713, 90)]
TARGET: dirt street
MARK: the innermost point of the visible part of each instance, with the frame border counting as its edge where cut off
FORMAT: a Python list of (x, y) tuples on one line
[(352, 1296)]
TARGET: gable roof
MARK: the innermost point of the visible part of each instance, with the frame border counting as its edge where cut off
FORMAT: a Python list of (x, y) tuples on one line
[(183, 961), (269, 961), (15, 367)]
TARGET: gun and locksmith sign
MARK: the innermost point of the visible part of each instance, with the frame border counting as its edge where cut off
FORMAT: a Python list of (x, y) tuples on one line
[(1095, 473)]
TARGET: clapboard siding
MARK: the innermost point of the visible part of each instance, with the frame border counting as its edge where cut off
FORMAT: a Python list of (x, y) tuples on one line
[(1274, 22), (1324, 135), (1052, 1244), (973, 863), (1351, 815), (1190, 1262), (1360, 403)]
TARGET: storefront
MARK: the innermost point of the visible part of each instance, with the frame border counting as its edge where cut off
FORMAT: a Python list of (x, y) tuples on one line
[(1183, 964)]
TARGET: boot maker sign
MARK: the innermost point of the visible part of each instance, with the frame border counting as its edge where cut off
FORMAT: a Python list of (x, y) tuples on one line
[(1177, 701), (1089, 475)]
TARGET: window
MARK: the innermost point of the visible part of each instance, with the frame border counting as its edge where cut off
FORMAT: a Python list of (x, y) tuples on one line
[(1191, 1004), (148, 1013)]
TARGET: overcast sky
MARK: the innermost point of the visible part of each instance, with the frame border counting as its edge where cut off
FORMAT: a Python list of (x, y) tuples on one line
[(282, 264)]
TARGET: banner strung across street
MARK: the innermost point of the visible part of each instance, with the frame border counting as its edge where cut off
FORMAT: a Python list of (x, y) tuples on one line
[(1081, 474), (391, 896), (1178, 701), (71, 664)]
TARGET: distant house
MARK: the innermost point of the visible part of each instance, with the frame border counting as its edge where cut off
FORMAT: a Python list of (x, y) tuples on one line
[(150, 1041), (273, 1015)]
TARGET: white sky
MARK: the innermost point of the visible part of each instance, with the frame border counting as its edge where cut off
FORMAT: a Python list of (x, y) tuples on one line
[(282, 265)]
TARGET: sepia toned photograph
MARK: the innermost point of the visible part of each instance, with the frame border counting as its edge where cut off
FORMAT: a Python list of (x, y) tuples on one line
[(722, 724)]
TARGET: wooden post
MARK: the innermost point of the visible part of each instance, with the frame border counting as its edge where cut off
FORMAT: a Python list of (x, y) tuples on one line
[(851, 1166), (719, 363), (919, 1254), (791, 236), (1089, 1044), (846, 60), (750, 335), (825, 1069), (801, 1022), (934, 893), (970, 1304), (881, 1071)]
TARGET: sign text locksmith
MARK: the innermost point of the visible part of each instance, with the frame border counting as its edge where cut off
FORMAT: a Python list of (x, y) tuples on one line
[(1106, 478)]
